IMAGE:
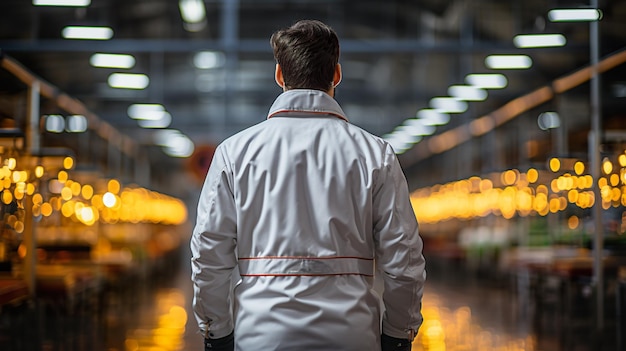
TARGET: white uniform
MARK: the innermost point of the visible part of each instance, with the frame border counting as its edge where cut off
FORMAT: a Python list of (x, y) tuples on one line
[(305, 204)]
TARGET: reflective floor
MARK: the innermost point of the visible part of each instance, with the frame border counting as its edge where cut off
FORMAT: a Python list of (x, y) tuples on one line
[(463, 310)]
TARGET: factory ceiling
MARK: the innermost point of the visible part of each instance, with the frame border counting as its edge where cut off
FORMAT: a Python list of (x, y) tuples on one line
[(396, 55)]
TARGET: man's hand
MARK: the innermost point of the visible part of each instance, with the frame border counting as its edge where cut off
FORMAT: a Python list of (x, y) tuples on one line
[(388, 343), (226, 343)]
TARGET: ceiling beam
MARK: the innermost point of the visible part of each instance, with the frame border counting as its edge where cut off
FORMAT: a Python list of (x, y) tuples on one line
[(386, 46)]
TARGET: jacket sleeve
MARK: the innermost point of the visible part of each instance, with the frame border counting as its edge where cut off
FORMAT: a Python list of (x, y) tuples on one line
[(398, 251), (213, 244)]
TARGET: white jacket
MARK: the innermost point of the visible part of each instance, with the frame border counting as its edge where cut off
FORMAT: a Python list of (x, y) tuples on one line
[(304, 205)]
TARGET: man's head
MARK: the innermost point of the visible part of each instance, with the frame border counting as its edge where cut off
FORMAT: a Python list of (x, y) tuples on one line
[(307, 56)]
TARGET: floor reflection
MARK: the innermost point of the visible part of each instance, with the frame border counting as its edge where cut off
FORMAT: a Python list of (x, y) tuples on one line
[(462, 312)]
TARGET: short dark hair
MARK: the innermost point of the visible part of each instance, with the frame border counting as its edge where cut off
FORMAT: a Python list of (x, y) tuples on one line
[(307, 53)]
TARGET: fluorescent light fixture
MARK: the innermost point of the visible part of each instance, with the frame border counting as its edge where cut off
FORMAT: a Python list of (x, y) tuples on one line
[(87, 33), (508, 61), (112, 60), (487, 80), (448, 105), (163, 122), (76, 3), (400, 142), (192, 11), (548, 120), (152, 112), (55, 123), (574, 15), (76, 124), (416, 127), (208, 59), (432, 117), (524, 41), (162, 136), (467, 92), (179, 145), (128, 81)]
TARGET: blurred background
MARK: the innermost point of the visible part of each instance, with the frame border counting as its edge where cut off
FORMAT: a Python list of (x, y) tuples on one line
[(507, 117)]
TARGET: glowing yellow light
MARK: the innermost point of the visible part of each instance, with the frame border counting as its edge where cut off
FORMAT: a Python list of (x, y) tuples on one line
[(509, 177), (19, 226), (30, 189), (36, 210), (62, 176), (579, 167), (572, 222), (37, 199), (21, 250), (87, 191), (68, 163), (46, 209), (66, 193), (109, 200), (615, 194), (622, 160), (554, 186), (67, 209), (607, 166), (614, 179), (76, 188), (572, 196), (11, 163), (555, 164), (86, 215), (113, 186), (532, 175), (7, 197), (39, 171), (555, 205), (485, 184), (19, 192), (19, 176)]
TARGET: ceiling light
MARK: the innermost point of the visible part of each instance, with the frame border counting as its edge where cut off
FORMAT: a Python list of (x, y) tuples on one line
[(467, 92), (55, 123), (76, 3), (432, 117), (146, 111), (192, 11), (416, 127), (163, 122), (548, 120), (76, 124), (179, 146), (401, 140), (539, 40), (112, 60), (487, 81), (448, 105), (89, 33), (162, 136), (399, 146), (208, 59), (128, 80), (574, 15), (508, 61)]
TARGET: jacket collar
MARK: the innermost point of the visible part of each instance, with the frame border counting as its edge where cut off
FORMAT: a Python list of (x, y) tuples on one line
[(301, 102)]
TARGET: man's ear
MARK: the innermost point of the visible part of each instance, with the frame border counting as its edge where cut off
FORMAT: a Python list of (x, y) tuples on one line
[(337, 75), (278, 77)]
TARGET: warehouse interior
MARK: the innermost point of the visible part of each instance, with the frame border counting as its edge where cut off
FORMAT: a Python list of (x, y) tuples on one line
[(519, 189)]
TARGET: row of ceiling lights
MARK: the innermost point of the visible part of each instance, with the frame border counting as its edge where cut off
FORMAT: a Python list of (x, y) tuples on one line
[(412, 130), (147, 115)]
